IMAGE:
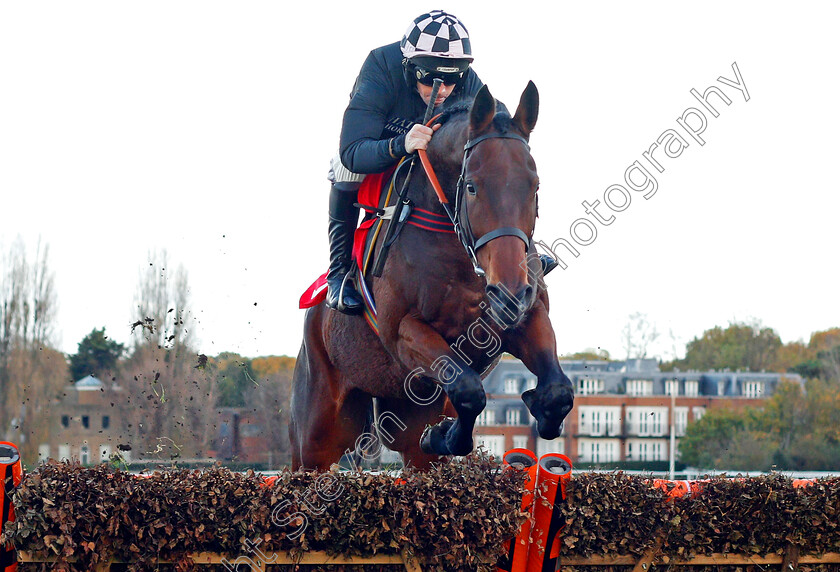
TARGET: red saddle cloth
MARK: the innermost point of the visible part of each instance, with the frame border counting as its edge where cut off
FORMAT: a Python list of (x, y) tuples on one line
[(369, 194)]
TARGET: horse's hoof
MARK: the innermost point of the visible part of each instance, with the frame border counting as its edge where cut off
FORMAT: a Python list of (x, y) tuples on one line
[(549, 429), (433, 440), (461, 449), (549, 409)]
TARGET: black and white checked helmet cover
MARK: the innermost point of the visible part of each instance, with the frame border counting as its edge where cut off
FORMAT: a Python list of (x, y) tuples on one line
[(437, 34)]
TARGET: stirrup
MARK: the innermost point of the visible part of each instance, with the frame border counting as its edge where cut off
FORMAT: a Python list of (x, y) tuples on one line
[(548, 263), (340, 305)]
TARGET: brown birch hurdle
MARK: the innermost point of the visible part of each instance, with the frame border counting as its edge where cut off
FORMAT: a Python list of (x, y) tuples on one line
[(787, 562), (271, 559)]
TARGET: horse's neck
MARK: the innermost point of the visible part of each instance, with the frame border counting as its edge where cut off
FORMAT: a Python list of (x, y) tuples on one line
[(423, 195)]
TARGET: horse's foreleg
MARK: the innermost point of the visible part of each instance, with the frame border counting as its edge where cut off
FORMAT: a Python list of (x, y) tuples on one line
[(551, 401), (435, 369)]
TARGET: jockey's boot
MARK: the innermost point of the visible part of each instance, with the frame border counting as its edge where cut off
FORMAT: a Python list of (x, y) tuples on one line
[(341, 295), (548, 263)]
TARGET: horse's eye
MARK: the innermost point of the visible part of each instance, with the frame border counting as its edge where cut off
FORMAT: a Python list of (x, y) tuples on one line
[(471, 188)]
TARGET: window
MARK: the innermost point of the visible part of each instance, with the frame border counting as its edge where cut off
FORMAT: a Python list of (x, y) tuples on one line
[(64, 452), (555, 446), (520, 441), (698, 412), (754, 389), (43, 452), (106, 421), (639, 387), (599, 420), (691, 388), (657, 425), (512, 416), (486, 417), (644, 425), (85, 457), (597, 450), (721, 387), (494, 444), (589, 386), (672, 387), (645, 451), (85, 421), (531, 383), (680, 420), (611, 421), (65, 421), (651, 420), (104, 453), (512, 385)]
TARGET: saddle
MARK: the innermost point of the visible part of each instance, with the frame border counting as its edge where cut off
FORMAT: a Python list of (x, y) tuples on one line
[(375, 194)]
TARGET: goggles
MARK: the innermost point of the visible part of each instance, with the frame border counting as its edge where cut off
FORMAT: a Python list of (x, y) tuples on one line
[(428, 78)]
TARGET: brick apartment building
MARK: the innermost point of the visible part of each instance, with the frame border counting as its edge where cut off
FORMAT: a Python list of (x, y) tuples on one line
[(623, 410), (82, 424)]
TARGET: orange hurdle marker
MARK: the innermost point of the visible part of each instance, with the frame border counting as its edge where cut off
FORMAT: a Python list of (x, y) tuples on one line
[(553, 473), (515, 558), (10, 475)]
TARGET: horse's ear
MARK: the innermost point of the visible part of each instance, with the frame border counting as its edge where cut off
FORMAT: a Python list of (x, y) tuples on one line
[(529, 107), (482, 111)]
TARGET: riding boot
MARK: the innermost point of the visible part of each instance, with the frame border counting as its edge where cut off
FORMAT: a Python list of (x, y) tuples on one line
[(548, 263), (341, 295)]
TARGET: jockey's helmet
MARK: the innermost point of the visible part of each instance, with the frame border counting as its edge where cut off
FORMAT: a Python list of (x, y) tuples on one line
[(436, 45)]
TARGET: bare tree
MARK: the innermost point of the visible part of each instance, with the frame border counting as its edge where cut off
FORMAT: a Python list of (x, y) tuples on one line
[(638, 336), (161, 305), (31, 373), (269, 399), (167, 397)]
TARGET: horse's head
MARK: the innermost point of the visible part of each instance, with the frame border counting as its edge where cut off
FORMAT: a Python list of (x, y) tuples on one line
[(498, 201)]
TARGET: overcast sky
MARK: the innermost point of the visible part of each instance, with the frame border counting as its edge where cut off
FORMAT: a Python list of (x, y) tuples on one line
[(206, 129)]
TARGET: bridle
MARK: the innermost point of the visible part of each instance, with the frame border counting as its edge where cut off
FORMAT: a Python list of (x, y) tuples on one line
[(459, 216)]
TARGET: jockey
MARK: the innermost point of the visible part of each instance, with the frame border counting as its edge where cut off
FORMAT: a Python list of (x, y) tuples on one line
[(393, 88)]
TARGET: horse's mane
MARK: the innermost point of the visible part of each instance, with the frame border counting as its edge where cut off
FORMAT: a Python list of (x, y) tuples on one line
[(501, 121), (452, 118)]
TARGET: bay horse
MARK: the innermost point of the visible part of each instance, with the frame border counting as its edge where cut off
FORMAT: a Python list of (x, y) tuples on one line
[(448, 304)]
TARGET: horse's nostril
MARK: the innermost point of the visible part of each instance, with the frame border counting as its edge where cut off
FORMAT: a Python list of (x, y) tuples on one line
[(527, 293)]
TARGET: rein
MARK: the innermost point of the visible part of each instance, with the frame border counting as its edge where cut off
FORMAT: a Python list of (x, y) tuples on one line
[(458, 216)]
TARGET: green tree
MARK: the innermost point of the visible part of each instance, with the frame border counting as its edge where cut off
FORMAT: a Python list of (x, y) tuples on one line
[(795, 429), (739, 346), (819, 359), (707, 440), (96, 355), (589, 354), (235, 377)]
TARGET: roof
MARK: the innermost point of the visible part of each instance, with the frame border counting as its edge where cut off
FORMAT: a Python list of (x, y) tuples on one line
[(88, 383)]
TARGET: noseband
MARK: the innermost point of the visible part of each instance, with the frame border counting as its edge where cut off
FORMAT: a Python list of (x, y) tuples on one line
[(460, 217)]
